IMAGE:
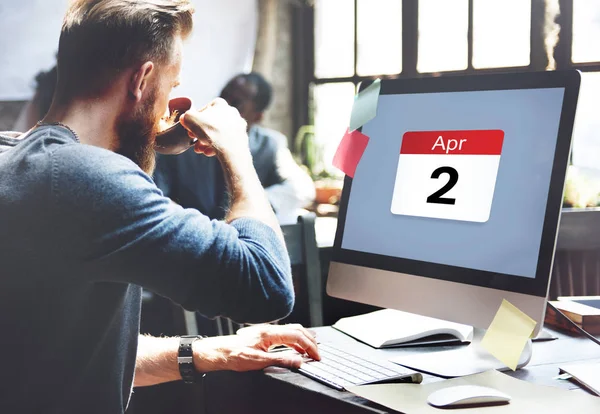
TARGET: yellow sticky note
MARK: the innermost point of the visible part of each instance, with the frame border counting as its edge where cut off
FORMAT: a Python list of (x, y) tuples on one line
[(508, 333)]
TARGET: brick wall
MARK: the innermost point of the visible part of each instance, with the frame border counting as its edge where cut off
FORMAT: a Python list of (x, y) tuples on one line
[(273, 59)]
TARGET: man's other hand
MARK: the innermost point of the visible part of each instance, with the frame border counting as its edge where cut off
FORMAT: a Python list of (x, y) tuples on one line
[(249, 349), (219, 128)]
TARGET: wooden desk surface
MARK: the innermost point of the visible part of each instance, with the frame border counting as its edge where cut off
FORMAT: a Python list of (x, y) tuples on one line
[(278, 390)]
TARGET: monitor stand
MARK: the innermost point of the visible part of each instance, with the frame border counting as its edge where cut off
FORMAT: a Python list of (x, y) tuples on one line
[(460, 361)]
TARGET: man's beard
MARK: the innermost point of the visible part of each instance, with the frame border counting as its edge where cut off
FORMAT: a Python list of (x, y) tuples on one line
[(137, 133)]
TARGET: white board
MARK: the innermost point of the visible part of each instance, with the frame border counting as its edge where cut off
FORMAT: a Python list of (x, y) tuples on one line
[(221, 46), (29, 42)]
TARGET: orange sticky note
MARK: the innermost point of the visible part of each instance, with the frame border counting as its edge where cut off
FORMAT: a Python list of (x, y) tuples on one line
[(350, 151)]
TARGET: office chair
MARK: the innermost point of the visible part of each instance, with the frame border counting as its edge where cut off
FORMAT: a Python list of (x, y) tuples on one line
[(301, 242)]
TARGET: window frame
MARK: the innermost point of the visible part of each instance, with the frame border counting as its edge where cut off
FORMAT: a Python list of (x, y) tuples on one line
[(410, 14), (538, 60)]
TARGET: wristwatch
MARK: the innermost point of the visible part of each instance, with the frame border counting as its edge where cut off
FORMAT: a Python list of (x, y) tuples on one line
[(185, 358)]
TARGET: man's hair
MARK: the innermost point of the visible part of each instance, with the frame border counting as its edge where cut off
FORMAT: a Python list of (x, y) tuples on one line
[(44, 90), (101, 38), (264, 91)]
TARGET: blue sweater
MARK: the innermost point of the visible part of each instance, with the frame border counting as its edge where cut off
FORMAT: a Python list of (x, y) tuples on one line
[(82, 229)]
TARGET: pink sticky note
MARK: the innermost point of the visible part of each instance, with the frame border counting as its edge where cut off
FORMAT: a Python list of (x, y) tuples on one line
[(349, 152)]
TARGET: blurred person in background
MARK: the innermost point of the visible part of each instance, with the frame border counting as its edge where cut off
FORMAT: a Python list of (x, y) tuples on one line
[(199, 182), (38, 106)]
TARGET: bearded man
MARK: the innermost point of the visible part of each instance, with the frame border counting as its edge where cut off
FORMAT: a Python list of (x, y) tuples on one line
[(84, 228)]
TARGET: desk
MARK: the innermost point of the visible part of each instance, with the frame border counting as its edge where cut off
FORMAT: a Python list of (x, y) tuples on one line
[(279, 390)]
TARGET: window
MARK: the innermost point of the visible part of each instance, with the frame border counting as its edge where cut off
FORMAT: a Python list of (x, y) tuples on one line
[(443, 41), (586, 31), (379, 37), (334, 38), (586, 138), (333, 104), (501, 33), (585, 56), (364, 39)]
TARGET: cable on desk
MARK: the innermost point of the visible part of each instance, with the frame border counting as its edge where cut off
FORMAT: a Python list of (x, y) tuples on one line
[(577, 327)]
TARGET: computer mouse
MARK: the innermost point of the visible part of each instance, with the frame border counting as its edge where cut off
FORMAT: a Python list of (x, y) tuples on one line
[(465, 395)]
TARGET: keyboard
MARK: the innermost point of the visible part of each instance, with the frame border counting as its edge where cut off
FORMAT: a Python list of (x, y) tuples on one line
[(340, 369)]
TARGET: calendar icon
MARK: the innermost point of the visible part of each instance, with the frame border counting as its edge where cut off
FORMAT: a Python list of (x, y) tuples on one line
[(448, 174)]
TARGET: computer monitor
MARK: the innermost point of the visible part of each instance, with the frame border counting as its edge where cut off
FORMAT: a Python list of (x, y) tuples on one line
[(456, 201)]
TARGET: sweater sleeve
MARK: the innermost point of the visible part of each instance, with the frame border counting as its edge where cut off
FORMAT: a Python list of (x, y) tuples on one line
[(119, 227)]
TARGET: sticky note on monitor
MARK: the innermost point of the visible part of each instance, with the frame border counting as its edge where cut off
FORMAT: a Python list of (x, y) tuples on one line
[(365, 105), (350, 151), (508, 334)]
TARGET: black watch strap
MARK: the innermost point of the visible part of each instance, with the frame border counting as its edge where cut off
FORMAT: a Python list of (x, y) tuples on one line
[(185, 358)]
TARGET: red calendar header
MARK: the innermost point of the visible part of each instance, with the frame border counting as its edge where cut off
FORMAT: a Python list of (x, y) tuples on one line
[(472, 142)]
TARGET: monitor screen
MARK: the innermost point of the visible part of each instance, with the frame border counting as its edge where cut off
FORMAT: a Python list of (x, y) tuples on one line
[(457, 178), (455, 203)]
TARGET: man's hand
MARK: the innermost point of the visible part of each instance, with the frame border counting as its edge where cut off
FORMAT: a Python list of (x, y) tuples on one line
[(249, 349), (219, 128), (221, 131), (156, 360)]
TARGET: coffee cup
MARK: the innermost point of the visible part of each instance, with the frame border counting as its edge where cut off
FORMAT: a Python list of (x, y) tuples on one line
[(175, 139)]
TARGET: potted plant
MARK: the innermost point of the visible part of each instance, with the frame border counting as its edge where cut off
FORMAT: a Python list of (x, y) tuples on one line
[(582, 187), (328, 182)]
